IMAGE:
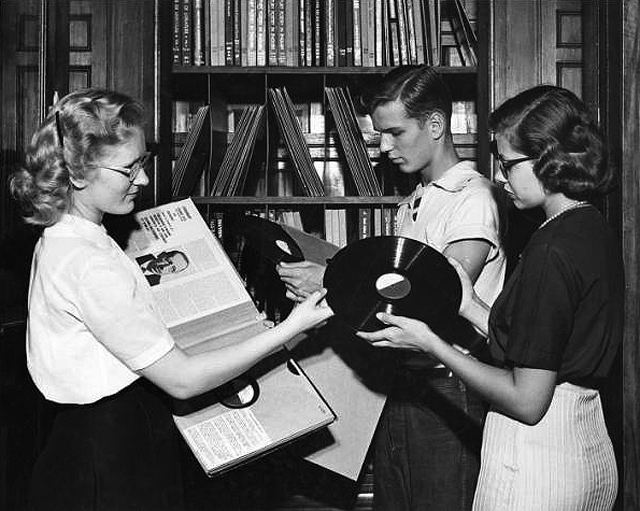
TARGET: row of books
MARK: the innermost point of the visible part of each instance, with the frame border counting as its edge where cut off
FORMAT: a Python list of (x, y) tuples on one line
[(340, 226), (322, 32)]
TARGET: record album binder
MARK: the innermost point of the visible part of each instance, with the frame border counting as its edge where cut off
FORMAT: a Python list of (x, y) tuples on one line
[(206, 306)]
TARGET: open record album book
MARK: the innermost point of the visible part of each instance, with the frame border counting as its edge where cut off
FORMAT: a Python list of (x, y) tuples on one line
[(202, 300)]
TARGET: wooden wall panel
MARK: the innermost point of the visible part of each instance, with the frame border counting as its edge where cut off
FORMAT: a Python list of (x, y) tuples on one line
[(19, 92), (631, 243), (523, 47), (534, 42)]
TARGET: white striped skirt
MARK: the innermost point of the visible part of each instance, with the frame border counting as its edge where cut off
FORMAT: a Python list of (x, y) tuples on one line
[(563, 463)]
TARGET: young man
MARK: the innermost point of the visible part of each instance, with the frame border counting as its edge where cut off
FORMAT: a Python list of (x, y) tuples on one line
[(428, 439)]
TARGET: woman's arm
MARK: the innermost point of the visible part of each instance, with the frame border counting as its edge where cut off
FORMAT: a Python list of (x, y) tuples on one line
[(182, 375), (522, 393)]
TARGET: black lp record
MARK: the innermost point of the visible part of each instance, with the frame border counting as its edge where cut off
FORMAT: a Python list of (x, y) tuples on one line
[(269, 239), (392, 274)]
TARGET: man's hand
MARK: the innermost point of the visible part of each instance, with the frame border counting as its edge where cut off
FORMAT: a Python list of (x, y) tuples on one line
[(301, 279)]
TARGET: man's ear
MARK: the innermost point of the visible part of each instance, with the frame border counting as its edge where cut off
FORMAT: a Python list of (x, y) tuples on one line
[(437, 125)]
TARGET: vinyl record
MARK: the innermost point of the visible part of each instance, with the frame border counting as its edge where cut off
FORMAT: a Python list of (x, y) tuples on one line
[(269, 239), (392, 274)]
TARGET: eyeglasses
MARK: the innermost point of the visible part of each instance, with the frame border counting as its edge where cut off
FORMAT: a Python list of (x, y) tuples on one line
[(506, 165), (132, 171)]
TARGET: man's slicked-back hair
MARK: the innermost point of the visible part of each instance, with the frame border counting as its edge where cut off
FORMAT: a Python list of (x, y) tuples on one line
[(421, 89)]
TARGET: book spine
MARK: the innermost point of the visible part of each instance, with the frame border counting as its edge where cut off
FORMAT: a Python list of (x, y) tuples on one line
[(379, 34), (349, 32), (177, 29), (280, 34), (394, 46), (364, 32), (220, 32), (302, 27), (341, 42), (341, 216), (213, 36), (198, 33), (357, 46), (371, 24), (244, 31), (416, 14), (206, 43), (329, 34), (272, 50), (252, 57), (364, 223), (186, 33), (317, 34), (291, 33), (237, 33), (228, 32), (261, 32), (402, 32), (308, 32), (411, 32)]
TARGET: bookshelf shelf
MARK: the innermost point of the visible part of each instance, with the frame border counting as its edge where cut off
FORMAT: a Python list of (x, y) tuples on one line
[(315, 70), (391, 200)]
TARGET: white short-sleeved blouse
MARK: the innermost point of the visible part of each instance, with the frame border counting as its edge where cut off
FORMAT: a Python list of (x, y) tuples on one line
[(92, 321)]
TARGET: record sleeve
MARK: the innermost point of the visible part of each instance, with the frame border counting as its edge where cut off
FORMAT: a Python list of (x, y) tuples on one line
[(395, 275)]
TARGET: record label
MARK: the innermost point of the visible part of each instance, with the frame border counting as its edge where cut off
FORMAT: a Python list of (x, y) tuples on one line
[(269, 239), (392, 274)]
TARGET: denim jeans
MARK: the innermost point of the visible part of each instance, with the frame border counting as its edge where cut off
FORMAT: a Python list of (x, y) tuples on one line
[(427, 446)]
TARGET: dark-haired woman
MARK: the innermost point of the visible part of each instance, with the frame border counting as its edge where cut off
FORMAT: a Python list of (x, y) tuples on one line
[(93, 329), (557, 324)]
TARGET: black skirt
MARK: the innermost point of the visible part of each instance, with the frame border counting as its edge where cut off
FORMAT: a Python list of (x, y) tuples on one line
[(118, 454)]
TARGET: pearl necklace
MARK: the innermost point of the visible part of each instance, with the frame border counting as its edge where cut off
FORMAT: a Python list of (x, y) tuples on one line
[(566, 208)]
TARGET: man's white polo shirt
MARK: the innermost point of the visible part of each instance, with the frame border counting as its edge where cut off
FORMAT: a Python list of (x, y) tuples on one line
[(460, 205)]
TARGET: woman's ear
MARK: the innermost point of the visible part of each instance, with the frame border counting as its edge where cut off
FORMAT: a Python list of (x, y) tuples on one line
[(78, 183)]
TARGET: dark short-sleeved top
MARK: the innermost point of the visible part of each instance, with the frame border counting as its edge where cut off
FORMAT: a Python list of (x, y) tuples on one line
[(562, 308)]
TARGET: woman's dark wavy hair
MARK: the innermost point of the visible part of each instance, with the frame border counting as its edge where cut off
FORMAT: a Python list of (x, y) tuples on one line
[(551, 124), (76, 133), (421, 89)]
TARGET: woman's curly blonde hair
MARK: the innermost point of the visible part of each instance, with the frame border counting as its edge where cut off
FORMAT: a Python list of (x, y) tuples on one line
[(77, 132)]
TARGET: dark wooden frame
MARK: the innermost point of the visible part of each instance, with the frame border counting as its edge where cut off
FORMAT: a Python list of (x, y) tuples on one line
[(630, 185)]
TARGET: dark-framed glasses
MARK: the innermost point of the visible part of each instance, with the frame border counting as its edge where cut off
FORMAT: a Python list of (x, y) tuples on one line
[(132, 171), (505, 164)]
